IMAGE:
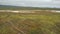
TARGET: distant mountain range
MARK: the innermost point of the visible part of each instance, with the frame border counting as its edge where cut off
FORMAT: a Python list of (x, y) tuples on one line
[(8, 7)]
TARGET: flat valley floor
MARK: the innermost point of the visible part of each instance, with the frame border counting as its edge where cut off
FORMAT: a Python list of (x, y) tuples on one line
[(29, 23)]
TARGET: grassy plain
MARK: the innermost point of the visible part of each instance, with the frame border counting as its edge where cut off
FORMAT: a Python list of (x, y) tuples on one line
[(28, 23)]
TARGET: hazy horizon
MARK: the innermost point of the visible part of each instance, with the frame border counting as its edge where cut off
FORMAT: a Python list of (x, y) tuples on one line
[(32, 3)]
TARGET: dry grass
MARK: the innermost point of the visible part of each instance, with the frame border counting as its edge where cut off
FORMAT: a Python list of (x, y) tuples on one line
[(36, 23)]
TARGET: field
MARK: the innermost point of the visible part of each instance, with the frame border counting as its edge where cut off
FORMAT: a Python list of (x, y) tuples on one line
[(29, 23)]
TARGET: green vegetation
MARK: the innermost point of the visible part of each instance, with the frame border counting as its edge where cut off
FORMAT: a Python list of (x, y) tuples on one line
[(7, 7), (39, 23)]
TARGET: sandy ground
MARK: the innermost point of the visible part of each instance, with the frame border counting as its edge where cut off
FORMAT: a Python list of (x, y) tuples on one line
[(28, 11)]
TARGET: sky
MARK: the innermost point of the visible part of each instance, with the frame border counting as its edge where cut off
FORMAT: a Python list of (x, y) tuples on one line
[(32, 3)]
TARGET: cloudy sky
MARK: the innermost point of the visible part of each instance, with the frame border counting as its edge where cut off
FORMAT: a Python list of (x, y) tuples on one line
[(33, 3)]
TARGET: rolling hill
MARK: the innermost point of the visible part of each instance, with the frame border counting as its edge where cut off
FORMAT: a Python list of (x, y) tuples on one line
[(8, 7)]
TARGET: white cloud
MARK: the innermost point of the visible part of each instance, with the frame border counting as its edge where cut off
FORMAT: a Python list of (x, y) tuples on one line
[(38, 3)]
